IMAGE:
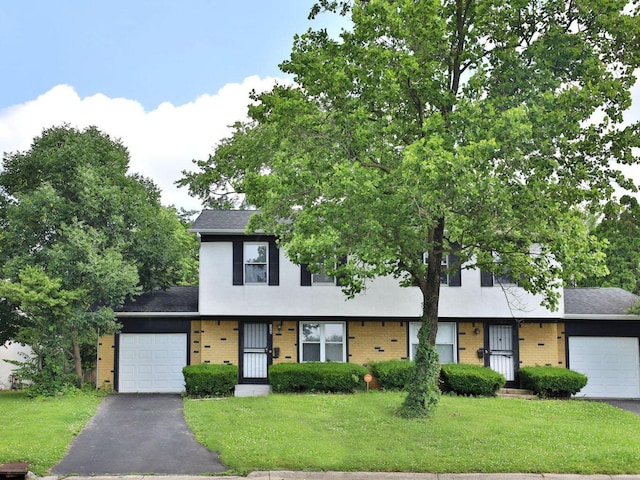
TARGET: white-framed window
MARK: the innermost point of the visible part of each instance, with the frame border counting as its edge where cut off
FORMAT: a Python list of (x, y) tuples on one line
[(322, 342), (446, 341), (322, 278), (256, 266), (444, 265)]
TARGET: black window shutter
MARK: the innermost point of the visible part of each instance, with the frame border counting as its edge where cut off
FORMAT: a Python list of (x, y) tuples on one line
[(238, 262), (305, 276), (455, 278), (274, 263), (486, 279)]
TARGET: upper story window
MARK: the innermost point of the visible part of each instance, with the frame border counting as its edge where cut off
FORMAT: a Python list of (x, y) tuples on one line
[(453, 279), (322, 278), (489, 279), (307, 278), (256, 262)]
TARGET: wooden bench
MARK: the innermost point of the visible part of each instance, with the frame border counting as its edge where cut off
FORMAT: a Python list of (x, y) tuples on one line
[(14, 471)]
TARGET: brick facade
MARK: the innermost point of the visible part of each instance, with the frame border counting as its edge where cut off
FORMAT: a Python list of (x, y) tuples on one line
[(469, 342), (542, 344), (285, 338), (376, 341), (106, 362), (217, 341)]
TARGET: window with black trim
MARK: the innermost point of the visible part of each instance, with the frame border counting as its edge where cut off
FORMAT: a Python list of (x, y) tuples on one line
[(446, 341), (256, 262), (452, 279), (322, 342)]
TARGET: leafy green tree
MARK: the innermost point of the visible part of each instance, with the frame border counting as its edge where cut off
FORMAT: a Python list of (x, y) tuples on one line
[(78, 235), (440, 126), (620, 228)]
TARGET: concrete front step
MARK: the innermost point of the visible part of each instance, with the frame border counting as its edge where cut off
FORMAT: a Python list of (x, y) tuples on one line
[(516, 393), (249, 390)]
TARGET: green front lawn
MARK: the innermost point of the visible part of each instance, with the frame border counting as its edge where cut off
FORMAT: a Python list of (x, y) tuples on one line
[(40, 430), (360, 432)]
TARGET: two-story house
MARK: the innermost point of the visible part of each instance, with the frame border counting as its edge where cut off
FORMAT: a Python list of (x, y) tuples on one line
[(254, 307)]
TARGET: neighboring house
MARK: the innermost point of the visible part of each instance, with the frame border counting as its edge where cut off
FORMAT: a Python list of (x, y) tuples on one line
[(14, 352), (254, 307)]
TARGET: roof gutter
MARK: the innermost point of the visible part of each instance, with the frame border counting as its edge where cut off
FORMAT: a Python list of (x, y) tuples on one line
[(157, 314), (600, 316)]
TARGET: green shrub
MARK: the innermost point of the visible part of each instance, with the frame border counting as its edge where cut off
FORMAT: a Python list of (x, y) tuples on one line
[(474, 380), (316, 377), (392, 374), (551, 382), (209, 380)]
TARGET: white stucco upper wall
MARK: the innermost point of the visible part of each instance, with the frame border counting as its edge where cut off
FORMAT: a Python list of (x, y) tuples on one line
[(383, 296), (10, 351)]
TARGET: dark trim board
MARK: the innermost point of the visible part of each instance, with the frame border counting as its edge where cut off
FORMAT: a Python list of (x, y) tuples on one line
[(205, 238), (156, 325), (602, 328)]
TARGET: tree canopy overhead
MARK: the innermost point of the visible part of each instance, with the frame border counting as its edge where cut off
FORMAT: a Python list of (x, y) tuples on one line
[(484, 127), (78, 234)]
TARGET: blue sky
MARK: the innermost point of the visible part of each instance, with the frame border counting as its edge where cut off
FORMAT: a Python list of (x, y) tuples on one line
[(142, 71), (167, 77), (149, 50)]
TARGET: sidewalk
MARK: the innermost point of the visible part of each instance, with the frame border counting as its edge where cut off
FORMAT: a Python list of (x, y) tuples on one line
[(285, 475)]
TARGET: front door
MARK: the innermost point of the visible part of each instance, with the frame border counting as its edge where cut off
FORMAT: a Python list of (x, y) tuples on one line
[(255, 352), (501, 351)]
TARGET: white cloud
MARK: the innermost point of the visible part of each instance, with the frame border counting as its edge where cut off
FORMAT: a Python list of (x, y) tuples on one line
[(161, 142)]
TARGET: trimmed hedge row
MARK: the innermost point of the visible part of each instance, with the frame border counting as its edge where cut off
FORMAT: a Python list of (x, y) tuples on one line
[(454, 377), (316, 377), (392, 374), (552, 382), (470, 379), (210, 380)]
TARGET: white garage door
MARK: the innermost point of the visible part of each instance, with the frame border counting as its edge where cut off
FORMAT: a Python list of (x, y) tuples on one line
[(152, 362), (612, 365)]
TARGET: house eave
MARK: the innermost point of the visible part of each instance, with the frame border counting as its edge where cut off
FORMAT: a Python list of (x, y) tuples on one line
[(157, 314), (217, 231), (600, 316)]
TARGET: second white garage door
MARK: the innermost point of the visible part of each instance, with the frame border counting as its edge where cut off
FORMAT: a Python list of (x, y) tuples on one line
[(152, 362), (612, 365)]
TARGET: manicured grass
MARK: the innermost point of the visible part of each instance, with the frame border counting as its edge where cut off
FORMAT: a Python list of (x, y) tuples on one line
[(40, 430), (360, 432)]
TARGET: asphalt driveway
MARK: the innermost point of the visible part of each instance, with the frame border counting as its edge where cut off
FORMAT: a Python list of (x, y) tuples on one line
[(138, 433), (631, 405)]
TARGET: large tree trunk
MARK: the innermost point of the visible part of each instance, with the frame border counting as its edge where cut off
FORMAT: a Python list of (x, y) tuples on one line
[(77, 359), (423, 393)]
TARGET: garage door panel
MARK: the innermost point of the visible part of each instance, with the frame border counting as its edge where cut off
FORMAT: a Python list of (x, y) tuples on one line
[(152, 362), (612, 365)]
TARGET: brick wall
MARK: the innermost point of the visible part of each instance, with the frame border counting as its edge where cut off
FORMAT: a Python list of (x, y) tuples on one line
[(286, 339), (218, 342), (377, 341), (542, 344), (469, 342), (106, 362)]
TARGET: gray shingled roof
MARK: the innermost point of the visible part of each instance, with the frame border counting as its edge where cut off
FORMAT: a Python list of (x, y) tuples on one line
[(598, 301), (172, 300), (222, 221)]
